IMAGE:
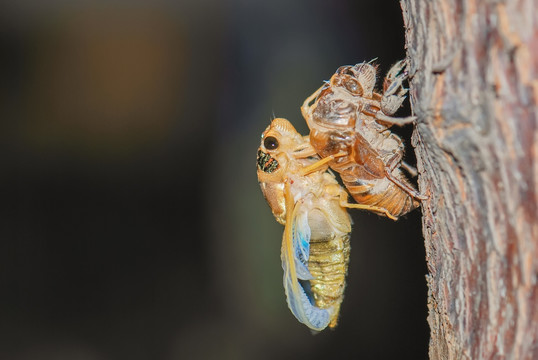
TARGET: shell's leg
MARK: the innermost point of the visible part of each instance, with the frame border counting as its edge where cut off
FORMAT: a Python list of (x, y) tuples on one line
[(305, 109), (411, 170), (393, 163), (395, 76), (393, 90), (394, 94), (399, 121), (380, 210)]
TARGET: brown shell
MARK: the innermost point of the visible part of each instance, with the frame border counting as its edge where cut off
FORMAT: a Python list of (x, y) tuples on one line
[(342, 120)]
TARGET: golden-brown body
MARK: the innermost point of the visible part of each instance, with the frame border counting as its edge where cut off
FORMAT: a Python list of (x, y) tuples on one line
[(308, 200), (349, 121), (329, 259)]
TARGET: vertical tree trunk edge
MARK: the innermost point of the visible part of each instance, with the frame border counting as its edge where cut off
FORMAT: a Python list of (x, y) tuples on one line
[(473, 69)]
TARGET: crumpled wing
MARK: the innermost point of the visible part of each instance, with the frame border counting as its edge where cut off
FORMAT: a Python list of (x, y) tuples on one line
[(294, 255)]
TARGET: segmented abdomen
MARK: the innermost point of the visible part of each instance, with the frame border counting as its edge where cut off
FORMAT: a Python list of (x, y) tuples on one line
[(328, 262), (380, 192)]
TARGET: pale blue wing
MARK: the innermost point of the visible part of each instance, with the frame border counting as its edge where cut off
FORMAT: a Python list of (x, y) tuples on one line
[(301, 243), (295, 250)]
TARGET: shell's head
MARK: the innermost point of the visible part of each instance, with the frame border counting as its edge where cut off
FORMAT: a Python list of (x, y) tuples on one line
[(358, 80)]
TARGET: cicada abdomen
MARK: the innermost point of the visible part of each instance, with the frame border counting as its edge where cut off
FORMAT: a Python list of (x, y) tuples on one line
[(329, 258), (349, 121), (308, 200)]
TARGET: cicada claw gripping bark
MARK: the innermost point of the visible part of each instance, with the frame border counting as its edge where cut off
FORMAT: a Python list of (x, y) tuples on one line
[(346, 115)]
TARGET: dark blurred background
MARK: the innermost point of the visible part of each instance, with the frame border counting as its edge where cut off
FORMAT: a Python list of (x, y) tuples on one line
[(131, 222)]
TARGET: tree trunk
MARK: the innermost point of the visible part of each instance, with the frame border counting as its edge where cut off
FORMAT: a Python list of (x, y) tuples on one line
[(473, 85)]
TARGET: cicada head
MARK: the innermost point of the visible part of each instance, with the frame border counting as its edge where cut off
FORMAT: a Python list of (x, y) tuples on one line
[(275, 162), (278, 142)]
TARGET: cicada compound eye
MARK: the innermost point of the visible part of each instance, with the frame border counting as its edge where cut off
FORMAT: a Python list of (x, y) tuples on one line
[(270, 143), (354, 87)]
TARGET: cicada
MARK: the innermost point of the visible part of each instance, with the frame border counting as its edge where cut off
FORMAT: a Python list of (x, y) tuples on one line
[(350, 121), (306, 198)]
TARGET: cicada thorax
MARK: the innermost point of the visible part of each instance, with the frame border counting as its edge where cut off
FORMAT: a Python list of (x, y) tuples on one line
[(342, 121), (328, 263)]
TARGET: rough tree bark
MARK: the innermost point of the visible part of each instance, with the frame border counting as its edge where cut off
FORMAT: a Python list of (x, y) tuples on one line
[(474, 88)]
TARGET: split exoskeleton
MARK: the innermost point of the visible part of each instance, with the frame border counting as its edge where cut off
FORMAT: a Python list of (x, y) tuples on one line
[(349, 132), (306, 198), (350, 122)]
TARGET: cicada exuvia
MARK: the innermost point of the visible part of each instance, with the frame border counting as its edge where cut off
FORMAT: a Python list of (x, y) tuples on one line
[(350, 121), (306, 198)]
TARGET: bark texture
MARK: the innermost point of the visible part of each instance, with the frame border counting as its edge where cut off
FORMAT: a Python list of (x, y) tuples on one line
[(474, 88)]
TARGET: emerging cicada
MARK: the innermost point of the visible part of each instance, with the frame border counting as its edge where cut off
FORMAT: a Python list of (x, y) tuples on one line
[(308, 200), (349, 121)]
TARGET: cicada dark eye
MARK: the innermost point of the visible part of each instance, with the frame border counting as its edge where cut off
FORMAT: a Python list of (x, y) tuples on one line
[(270, 143)]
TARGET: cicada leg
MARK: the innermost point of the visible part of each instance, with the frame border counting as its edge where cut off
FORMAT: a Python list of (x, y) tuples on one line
[(304, 150), (321, 163)]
